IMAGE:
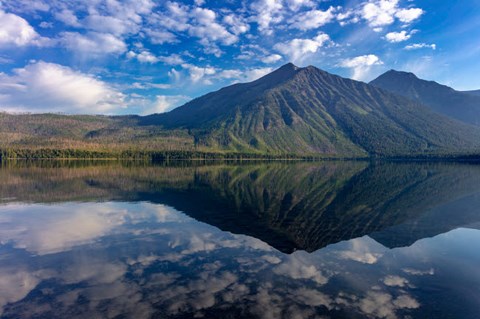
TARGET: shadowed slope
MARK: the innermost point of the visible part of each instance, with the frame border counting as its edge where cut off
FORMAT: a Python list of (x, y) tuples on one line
[(309, 111), (463, 106)]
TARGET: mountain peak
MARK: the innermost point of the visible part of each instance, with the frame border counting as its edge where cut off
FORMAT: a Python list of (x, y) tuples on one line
[(400, 74), (440, 98), (284, 73), (289, 66)]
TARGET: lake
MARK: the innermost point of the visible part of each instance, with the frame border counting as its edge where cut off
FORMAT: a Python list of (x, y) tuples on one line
[(229, 240)]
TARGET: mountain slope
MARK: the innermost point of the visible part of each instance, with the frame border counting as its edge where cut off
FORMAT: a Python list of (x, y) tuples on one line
[(463, 106), (473, 92), (309, 111)]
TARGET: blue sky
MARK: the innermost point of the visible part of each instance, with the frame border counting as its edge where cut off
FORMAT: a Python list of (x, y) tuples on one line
[(145, 56)]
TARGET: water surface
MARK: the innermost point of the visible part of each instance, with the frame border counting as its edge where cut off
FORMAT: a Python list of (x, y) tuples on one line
[(225, 240)]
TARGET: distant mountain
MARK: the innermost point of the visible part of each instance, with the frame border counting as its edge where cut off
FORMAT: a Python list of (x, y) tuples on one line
[(309, 111), (473, 92), (463, 106)]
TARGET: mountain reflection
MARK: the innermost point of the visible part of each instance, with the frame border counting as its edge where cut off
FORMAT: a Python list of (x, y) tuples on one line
[(299, 206), (257, 240)]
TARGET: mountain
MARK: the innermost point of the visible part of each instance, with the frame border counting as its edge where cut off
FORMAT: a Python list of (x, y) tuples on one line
[(300, 111), (463, 106), (473, 92), (309, 111)]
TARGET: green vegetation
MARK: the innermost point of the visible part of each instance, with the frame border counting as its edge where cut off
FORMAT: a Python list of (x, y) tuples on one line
[(463, 106), (290, 113)]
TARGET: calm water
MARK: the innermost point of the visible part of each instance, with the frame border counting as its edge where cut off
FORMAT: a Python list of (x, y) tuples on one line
[(268, 240)]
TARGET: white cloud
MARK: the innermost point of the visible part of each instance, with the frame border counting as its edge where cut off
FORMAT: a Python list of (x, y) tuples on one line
[(92, 43), (383, 305), (272, 58), (313, 19), (237, 25), (198, 73), (46, 25), (143, 57), (417, 46), (51, 231), (165, 103), (175, 18), (48, 87), (109, 24), (409, 15), (267, 12), (295, 267), (363, 250), (15, 284), (160, 36), (173, 59), (397, 36), (207, 29), (16, 31), (68, 17), (148, 85), (379, 13), (294, 5), (395, 281), (361, 65), (296, 49), (416, 272)]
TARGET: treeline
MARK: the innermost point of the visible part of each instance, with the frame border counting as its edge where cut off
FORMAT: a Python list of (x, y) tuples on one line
[(146, 155), (167, 155)]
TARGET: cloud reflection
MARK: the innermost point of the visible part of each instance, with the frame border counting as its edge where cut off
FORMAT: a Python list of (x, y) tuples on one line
[(144, 261)]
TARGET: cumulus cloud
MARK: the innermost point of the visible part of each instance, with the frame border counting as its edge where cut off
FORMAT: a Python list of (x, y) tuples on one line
[(409, 15), (294, 266), (296, 49), (198, 73), (92, 43), (207, 28), (397, 36), (236, 24), (295, 5), (379, 13), (361, 65), (48, 87), (50, 230), (173, 59), (143, 57), (313, 19), (272, 58), (165, 103), (383, 305), (416, 46), (160, 36), (109, 24), (16, 31), (267, 13), (68, 17), (395, 281)]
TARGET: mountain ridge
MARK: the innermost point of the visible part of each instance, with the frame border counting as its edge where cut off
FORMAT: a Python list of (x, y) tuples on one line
[(308, 110), (295, 111), (463, 106)]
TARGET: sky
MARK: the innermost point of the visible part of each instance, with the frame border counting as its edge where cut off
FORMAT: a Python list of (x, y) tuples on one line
[(150, 56)]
